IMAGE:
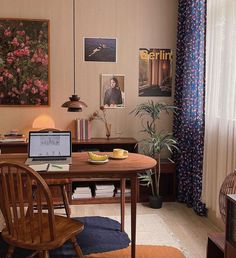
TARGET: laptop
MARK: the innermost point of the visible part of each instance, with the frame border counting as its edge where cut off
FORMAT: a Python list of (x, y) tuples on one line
[(49, 147)]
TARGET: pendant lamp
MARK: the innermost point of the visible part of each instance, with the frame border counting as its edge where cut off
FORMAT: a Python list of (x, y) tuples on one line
[(74, 104)]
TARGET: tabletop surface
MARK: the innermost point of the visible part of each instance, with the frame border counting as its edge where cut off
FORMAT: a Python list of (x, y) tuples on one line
[(133, 164)]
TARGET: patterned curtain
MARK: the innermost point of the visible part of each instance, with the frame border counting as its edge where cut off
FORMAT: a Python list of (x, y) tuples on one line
[(189, 98)]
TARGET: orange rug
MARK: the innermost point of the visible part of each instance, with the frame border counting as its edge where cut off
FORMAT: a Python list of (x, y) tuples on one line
[(142, 251)]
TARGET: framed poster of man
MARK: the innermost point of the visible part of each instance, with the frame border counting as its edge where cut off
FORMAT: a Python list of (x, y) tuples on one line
[(112, 90)]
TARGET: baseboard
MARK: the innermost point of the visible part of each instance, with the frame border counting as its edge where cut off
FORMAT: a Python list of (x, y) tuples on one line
[(217, 221)]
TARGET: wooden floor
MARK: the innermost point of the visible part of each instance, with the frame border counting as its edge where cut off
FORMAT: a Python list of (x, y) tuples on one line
[(190, 229)]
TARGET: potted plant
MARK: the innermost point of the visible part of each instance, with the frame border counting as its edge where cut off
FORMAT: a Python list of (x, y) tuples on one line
[(153, 145)]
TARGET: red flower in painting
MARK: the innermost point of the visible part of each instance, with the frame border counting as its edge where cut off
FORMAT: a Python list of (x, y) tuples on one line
[(21, 33), (7, 33), (15, 42)]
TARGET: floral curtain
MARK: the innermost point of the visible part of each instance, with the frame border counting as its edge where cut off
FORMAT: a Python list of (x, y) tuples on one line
[(189, 99)]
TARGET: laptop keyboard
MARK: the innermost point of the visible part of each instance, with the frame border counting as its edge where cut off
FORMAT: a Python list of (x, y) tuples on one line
[(48, 159)]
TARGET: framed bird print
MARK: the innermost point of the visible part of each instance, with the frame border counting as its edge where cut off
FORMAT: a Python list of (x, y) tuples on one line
[(100, 49)]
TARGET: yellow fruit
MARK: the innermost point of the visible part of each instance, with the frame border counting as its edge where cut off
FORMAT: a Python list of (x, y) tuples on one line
[(94, 156)]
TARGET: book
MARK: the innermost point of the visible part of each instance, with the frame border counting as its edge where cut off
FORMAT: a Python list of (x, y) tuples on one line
[(40, 167), (13, 139), (83, 129), (82, 192), (104, 191), (14, 135), (50, 167)]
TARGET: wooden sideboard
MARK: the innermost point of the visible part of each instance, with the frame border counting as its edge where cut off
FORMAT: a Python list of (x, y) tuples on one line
[(167, 185), (101, 144), (223, 244), (230, 238)]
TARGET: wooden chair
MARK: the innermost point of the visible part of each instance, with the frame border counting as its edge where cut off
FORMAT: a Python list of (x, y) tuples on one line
[(61, 183), (227, 187), (26, 227), (216, 240)]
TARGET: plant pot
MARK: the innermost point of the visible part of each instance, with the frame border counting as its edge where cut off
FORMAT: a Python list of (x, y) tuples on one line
[(155, 202)]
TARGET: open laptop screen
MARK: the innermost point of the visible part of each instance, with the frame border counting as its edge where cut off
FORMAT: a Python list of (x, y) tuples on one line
[(49, 144)]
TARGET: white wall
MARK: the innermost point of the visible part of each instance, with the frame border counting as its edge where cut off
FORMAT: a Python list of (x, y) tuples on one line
[(135, 24)]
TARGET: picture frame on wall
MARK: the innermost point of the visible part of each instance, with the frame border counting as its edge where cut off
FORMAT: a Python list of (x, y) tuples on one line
[(100, 49), (24, 62), (113, 90), (155, 72)]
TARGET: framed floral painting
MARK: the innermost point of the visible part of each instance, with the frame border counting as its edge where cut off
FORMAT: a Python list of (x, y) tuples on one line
[(24, 62)]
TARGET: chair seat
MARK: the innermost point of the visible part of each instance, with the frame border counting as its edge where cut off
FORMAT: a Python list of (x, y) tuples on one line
[(65, 228), (59, 181)]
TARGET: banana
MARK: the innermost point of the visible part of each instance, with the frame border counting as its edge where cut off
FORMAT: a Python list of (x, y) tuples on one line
[(94, 156)]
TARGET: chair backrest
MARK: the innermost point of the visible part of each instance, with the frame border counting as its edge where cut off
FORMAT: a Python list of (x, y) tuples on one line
[(228, 187), (18, 183), (49, 130)]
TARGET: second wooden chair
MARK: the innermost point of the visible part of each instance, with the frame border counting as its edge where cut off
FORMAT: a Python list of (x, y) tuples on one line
[(60, 184)]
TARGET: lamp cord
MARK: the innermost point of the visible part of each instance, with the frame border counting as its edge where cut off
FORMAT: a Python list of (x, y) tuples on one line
[(74, 40)]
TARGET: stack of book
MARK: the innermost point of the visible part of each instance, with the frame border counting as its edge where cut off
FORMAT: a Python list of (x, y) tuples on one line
[(104, 191), (127, 192), (13, 137), (82, 192), (83, 129)]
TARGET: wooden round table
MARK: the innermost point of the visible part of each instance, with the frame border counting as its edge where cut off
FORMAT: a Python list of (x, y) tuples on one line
[(121, 169)]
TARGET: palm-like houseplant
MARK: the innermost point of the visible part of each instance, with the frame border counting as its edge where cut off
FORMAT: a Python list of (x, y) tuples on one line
[(154, 143)]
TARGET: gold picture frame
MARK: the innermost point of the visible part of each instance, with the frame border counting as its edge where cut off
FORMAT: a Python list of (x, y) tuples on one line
[(24, 62)]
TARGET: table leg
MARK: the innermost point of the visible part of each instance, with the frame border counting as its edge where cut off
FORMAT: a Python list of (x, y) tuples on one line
[(133, 181), (122, 204)]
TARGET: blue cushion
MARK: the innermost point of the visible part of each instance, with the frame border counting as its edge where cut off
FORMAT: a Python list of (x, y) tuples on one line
[(100, 235)]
